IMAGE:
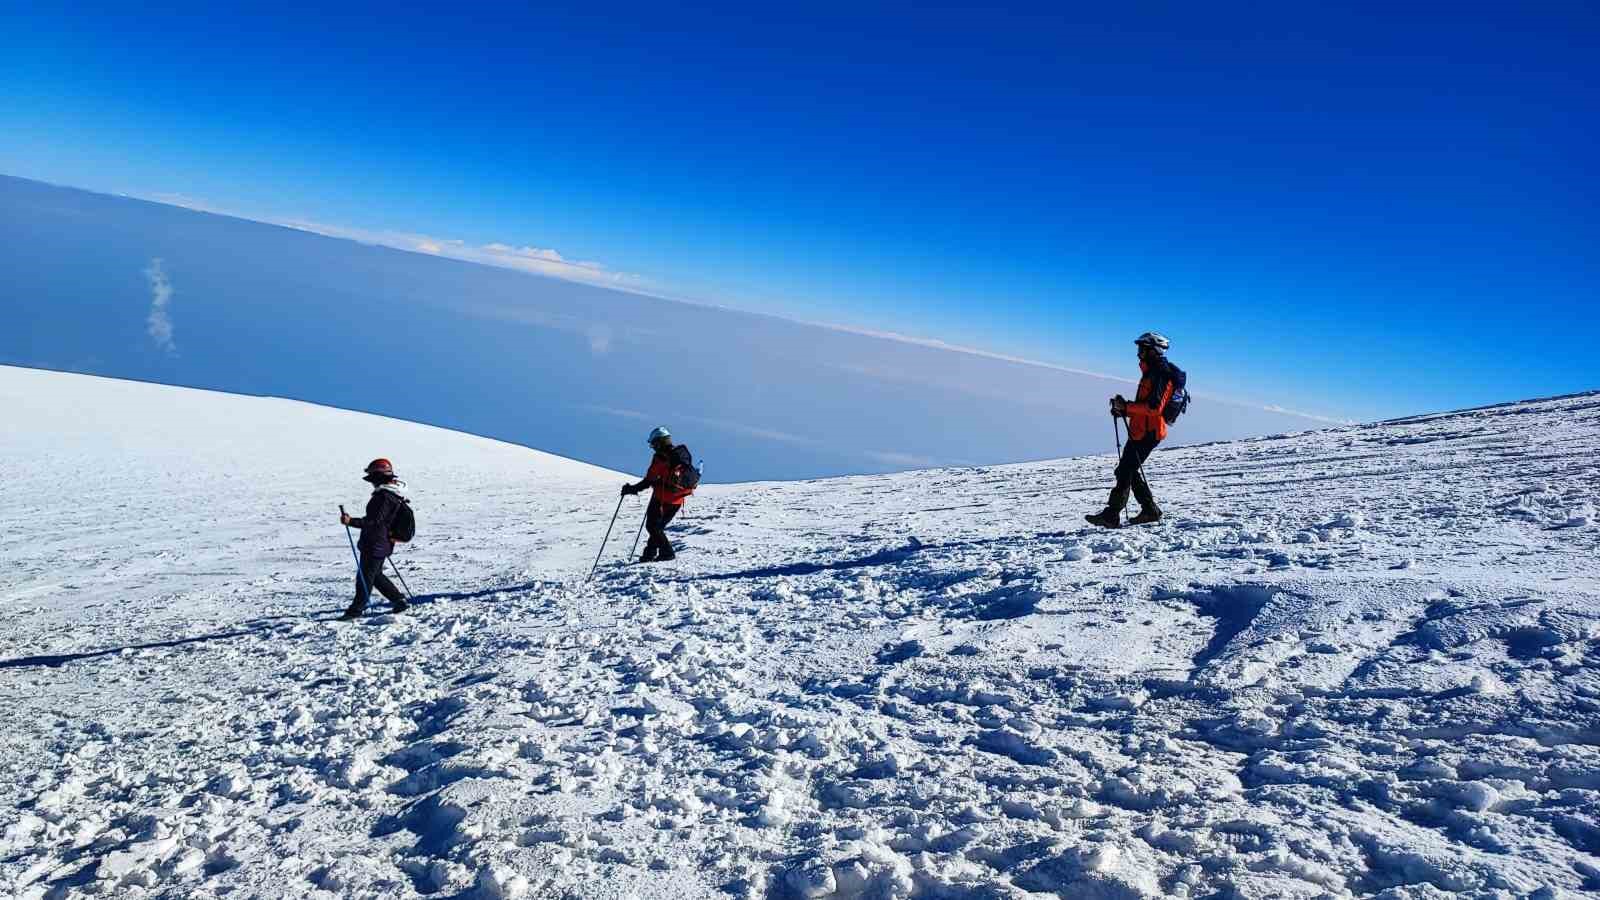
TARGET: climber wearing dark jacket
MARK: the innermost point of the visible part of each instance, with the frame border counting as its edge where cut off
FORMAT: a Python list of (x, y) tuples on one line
[(375, 544)]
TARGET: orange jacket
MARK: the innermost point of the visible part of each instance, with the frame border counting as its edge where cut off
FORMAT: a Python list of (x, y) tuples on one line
[(658, 475), (1144, 410)]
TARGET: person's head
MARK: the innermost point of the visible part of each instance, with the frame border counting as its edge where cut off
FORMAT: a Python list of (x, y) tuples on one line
[(660, 439), (1152, 346), (379, 471)]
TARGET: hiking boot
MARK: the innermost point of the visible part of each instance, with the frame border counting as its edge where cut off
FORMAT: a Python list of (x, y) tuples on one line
[(667, 555), (398, 606), (649, 555), (1106, 518), (1146, 516), (354, 611)]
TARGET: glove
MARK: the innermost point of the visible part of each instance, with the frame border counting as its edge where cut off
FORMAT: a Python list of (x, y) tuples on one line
[(629, 490), (1119, 406)]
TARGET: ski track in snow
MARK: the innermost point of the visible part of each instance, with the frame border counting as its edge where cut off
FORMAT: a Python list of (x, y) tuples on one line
[(1355, 662)]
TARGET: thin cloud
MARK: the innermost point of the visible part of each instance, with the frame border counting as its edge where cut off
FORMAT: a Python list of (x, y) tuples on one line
[(537, 260), (1331, 420), (765, 434), (619, 413), (936, 344), (905, 460), (755, 431), (158, 324)]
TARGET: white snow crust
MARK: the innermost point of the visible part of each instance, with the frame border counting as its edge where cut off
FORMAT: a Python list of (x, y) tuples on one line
[(1355, 662)]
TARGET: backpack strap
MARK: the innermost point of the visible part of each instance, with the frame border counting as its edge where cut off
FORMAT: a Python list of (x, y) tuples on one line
[(1160, 377)]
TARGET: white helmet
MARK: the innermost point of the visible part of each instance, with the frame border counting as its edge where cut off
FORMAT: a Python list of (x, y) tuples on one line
[(660, 433), (1154, 341)]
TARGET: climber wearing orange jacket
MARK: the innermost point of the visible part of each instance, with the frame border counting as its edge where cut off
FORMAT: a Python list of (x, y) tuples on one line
[(1147, 427), (672, 477)]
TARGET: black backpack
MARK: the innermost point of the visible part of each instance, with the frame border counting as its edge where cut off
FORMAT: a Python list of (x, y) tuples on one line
[(682, 474), (1179, 402), (404, 526)]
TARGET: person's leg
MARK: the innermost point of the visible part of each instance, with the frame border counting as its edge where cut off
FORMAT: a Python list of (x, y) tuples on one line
[(1141, 488), (386, 587), (664, 548), (1127, 471), (654, 523), (363, 590)]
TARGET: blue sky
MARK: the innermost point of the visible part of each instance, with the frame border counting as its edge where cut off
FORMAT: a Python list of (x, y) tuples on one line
[(1362, 211)]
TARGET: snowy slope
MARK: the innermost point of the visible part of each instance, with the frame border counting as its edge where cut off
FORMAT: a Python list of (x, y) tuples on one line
[(1363, 661)]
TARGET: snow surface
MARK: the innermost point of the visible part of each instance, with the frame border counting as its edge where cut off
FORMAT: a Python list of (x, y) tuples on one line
[(1362, 661)]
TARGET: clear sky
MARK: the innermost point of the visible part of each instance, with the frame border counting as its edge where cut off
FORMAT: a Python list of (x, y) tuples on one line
[(1359, 210)]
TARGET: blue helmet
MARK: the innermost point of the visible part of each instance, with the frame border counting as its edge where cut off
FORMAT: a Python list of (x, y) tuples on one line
[(660, 433)]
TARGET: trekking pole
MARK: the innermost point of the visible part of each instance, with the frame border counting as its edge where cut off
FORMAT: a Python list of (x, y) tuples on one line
[(604, 540), (409, 595), (1116, 432), (361, 577), (634, 553)]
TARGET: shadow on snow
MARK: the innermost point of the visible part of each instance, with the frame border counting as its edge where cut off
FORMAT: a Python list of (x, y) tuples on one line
[(56, 660), (888, 557)]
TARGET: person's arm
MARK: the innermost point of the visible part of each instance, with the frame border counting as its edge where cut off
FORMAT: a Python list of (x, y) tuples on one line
[(374, 513)]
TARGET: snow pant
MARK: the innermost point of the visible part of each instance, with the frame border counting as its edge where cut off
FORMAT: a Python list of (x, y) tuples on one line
[(655, 522), (1130, 476), (372, 577)]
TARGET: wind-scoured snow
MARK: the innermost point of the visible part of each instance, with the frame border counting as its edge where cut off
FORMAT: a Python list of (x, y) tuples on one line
[(1355, 662)]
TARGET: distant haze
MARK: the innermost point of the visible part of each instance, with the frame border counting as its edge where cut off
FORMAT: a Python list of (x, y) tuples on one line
[(133, 289)]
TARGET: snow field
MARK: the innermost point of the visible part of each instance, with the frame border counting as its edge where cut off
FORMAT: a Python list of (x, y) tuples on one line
[(1358, 662)]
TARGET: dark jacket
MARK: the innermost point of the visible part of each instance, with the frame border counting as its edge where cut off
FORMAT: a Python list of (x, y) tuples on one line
[(381, 510)]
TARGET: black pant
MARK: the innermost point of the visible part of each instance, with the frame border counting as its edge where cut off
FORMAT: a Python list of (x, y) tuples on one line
[(372, 577), (1129, 476), (655, 522)]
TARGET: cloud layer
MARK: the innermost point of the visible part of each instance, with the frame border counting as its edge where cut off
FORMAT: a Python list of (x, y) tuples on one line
[(551, 263), (538, 260)]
